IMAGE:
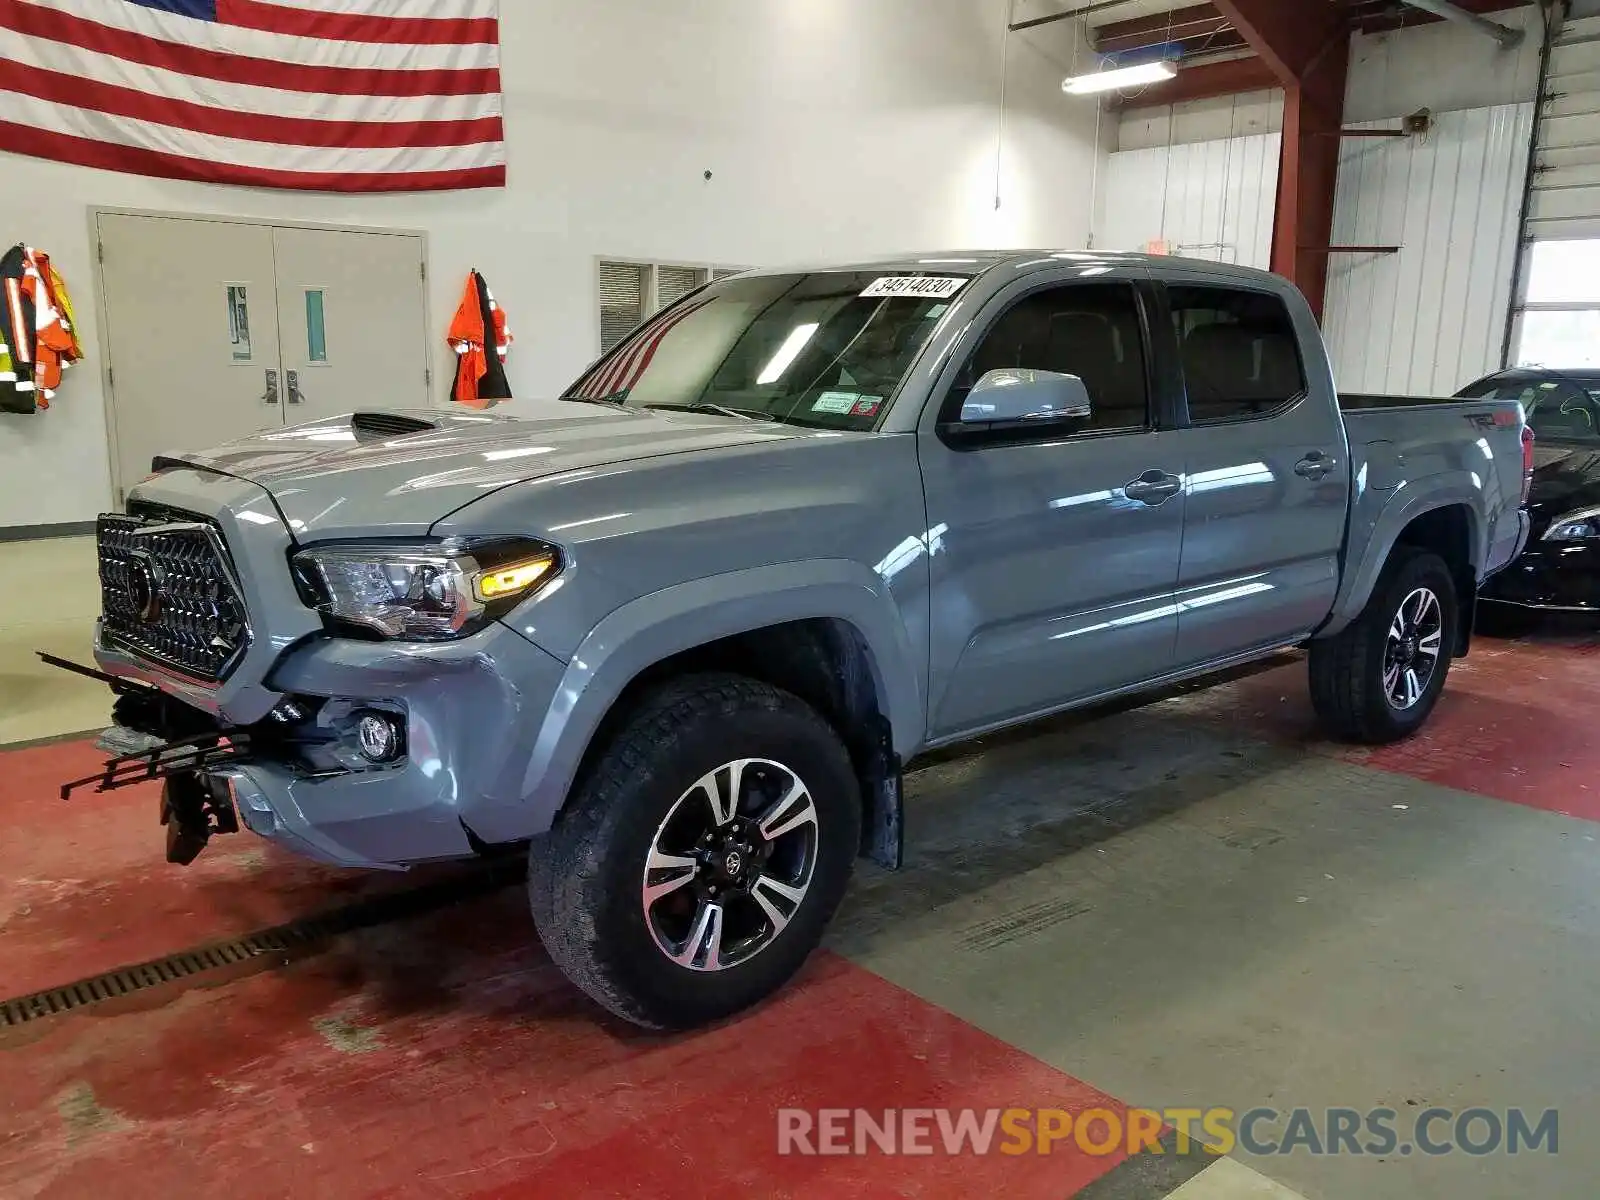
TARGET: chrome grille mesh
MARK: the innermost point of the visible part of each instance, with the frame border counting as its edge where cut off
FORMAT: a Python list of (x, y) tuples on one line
[(168, 593)]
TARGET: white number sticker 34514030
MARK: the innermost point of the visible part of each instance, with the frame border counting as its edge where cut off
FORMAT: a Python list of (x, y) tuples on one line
[(937, 287)]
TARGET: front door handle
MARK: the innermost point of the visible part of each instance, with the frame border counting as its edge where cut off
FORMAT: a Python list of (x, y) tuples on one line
[(1313, 466), (1153, 488), (296, 396), (271, 394)]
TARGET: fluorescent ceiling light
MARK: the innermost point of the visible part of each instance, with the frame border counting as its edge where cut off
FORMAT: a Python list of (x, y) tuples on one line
[(787, 353), (1106, 81)]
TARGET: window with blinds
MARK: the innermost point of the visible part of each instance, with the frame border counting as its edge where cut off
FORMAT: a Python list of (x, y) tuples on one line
[(630, 292), (622, 300), (674, 283)]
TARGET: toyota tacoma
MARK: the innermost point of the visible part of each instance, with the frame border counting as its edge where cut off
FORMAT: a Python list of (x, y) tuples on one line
[(678, 632)]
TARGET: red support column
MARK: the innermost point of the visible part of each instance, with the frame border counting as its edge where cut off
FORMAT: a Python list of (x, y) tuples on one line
[(1307, 45), (1313, 113)]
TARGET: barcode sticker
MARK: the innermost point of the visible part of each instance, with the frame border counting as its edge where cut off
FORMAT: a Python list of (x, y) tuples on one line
[(938, 287)]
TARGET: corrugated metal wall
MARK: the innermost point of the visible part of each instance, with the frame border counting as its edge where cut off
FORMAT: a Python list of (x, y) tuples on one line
[(1210, 199), (1431, 318)]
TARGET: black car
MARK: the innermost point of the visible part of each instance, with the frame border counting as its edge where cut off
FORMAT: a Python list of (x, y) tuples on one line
[(1560, 570)]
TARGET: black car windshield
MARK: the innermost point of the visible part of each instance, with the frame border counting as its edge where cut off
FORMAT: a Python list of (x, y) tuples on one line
[(1560, 407), (821, 349)]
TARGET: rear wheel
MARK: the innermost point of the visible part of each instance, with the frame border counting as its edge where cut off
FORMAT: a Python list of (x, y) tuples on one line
[(1379, 678), (700, 862)]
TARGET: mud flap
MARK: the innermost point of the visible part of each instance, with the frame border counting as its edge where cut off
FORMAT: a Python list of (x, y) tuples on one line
[(883, 826)]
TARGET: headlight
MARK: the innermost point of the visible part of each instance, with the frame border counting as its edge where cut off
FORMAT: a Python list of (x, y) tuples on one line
[(1581, 526), (424, 592)]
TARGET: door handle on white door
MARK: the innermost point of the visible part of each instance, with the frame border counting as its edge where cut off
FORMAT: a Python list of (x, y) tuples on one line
[(271, 394), (296, 396)]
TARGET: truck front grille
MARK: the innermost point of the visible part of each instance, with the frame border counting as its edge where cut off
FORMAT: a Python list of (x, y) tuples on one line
[(168, 592)]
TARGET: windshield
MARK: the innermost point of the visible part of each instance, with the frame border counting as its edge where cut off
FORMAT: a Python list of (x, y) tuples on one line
[(819, 349), (1560, 408)]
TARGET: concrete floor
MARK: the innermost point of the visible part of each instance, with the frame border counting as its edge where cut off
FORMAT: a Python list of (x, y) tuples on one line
[(1191, 904), (55, 612)]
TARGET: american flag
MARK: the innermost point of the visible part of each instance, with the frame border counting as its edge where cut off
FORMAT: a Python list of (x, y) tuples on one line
[(317, 95), (614, 377)]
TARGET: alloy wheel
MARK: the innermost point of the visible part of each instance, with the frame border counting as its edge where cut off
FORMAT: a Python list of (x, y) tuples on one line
[(730, 864), (1411, 651)]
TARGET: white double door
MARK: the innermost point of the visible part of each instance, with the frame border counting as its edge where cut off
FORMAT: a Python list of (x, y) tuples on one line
[(219, 329)]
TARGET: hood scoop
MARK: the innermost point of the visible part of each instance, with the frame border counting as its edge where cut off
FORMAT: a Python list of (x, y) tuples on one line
[(382, 424)]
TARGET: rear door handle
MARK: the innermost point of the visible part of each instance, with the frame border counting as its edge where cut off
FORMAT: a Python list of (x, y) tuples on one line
[(1153, 488), (1314, 465)]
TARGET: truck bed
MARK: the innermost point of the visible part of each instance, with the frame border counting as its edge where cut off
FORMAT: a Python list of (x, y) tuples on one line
[(1401, 441), (1365, 401)]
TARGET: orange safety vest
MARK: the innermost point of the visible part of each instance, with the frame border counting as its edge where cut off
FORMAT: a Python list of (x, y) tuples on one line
[(57, 346), (479, 323)]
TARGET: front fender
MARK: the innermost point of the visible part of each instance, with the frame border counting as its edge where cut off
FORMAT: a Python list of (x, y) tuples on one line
[(1377, 534), (654, 627)]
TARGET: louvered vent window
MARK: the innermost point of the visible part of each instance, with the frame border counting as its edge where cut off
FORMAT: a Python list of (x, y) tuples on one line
[(630, 292), (622, 292), (673, 283)]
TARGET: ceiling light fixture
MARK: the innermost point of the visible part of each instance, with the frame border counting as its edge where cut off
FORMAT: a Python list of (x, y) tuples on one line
[(1121, 77)]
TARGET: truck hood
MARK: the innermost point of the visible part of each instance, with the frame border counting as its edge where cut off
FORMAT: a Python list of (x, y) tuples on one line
[(394, 474)]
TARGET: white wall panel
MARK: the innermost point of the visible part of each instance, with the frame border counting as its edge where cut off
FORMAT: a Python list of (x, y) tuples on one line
[(1211, 199), (1200, 120), (1431, 318)]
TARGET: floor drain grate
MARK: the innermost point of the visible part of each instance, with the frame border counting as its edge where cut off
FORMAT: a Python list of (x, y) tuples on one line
[(296, 935)]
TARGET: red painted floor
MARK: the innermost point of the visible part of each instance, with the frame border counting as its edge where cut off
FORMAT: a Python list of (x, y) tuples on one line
[(85, 886), (449, 1058), (1517, 722)]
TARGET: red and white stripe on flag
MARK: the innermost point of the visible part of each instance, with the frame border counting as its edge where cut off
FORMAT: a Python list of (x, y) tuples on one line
[(316, 95), (616, 375)]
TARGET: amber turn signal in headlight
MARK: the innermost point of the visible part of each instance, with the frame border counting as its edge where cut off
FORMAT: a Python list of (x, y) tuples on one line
[(512, 579)]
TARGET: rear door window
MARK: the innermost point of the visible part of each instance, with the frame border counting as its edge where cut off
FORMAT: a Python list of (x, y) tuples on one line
[(1239, 352)]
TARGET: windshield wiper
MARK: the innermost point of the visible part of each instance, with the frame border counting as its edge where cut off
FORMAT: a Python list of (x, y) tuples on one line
[(608, 401), (746, 414)]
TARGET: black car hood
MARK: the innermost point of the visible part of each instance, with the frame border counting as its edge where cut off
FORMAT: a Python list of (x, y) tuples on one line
[(1565, 477)]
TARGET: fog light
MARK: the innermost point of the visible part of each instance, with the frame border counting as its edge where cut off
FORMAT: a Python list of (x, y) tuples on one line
[(378, 735)]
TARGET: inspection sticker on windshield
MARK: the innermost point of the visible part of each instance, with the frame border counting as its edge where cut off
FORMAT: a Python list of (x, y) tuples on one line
[(939, 287), (839, 402)]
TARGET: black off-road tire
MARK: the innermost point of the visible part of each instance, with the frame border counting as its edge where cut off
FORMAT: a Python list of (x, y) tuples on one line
[(586, 874), (1347, 689)]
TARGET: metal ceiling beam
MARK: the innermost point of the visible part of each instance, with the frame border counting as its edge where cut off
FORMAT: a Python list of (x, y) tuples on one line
[(1200, 20), (1289, 36), (1206, 81), (1086, 10), (1503, 34)]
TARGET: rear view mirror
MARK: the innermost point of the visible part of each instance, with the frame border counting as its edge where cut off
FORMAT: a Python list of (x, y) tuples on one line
[(1017, 394)]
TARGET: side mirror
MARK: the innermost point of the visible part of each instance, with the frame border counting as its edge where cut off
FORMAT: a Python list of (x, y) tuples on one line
[(1026, 395)]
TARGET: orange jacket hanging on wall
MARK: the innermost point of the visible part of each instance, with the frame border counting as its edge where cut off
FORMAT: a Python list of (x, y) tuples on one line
[(37, 339), (480, 324)]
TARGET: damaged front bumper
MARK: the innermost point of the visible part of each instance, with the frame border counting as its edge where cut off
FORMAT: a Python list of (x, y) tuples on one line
[(469, 712)]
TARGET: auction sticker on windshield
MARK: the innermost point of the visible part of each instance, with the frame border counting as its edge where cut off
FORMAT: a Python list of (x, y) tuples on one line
[(840, 402), (940, 287)]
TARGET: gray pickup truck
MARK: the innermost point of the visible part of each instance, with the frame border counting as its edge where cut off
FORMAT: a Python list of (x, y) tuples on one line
[(680, 632)]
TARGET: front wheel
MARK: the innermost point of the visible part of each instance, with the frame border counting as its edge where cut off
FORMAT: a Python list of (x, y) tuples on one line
[(699, 863), (1379, 678)]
